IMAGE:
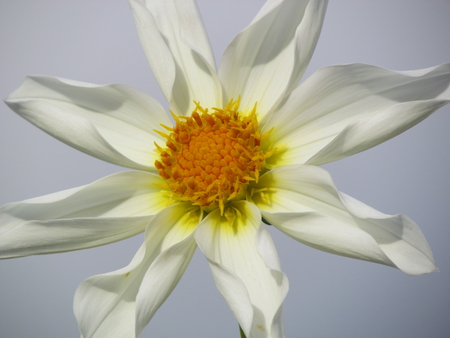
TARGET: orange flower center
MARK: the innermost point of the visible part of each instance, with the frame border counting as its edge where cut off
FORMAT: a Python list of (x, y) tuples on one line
[(210, 158)]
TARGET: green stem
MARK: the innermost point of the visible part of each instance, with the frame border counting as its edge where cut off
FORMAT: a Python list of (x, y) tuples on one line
[(242, 332)]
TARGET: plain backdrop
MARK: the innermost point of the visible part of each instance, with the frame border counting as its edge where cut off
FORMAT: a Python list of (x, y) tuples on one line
[(330, 296)]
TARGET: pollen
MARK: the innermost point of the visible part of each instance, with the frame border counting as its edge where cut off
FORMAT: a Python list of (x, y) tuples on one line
[(209, 159)]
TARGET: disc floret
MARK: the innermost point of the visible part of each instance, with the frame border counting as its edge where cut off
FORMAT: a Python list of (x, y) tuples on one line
[(210, 158)]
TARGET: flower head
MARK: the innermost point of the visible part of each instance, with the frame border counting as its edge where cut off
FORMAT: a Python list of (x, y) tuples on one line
[(241, 144)]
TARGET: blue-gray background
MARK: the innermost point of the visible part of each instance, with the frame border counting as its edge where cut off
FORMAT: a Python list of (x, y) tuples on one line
[(330, 296)]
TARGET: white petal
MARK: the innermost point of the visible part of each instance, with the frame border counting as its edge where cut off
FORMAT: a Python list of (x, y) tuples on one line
[(167, 269), (111, 209), (114, 123), (266, 60), (342, 110), (119, 304), (178, 50), (245, 267), (303, 202)]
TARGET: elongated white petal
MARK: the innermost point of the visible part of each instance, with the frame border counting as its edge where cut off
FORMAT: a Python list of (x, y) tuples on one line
[(119, 304), (266, 60), (245, 267), (113, 123), (303, 203), (342, 110), (111, 209), (178, 50), (166, 270)]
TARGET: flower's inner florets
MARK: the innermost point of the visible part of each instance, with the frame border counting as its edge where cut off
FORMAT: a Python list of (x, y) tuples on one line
[(211, 157)]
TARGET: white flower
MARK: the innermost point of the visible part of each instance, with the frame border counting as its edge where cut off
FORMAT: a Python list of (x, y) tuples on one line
[(281, 132)]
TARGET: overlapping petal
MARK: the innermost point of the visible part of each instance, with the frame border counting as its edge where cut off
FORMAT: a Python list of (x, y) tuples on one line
[(113, 123), (111, 209), (179, 53), (245, 267), (303, 203), (266, 60), (343, 110), (120, 303)]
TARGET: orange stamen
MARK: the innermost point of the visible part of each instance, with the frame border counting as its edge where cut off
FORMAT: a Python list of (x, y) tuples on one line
[(210, 158)]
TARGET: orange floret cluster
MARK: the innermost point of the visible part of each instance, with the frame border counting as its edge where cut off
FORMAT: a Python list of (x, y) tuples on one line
[(210, 157)]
